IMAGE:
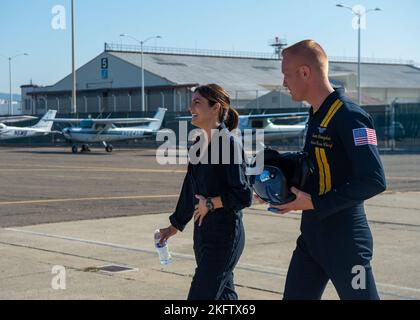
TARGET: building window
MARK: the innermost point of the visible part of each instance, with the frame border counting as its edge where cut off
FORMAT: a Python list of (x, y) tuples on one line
[(27, 104)]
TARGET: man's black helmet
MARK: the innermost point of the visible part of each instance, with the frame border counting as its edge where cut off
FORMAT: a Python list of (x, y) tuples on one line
[(280, 173)]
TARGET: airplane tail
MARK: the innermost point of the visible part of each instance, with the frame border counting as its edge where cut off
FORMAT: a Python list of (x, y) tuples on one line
[(160, 115), (46, 125)]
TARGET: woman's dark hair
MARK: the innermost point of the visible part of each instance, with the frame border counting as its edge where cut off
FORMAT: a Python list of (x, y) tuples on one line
[(216, 94)]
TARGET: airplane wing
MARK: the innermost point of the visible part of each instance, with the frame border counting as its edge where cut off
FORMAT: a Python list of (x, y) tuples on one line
[(276, 115), (105, 121), (13, 119), (124, 120), (184, 118), (263, 116)]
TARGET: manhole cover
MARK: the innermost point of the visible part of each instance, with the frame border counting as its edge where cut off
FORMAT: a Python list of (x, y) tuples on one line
[(116, 269)]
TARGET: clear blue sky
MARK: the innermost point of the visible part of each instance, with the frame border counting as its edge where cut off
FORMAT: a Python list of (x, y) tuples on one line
[(242, 25)]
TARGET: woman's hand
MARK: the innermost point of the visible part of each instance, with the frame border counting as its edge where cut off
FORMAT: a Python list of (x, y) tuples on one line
[(166, 233), (200, 210)]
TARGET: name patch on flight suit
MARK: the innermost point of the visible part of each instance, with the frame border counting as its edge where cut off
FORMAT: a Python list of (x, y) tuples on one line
[(321, 140)]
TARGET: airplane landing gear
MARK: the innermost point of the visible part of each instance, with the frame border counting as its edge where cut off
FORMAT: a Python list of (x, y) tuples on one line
[(108, 147), (85, 148)]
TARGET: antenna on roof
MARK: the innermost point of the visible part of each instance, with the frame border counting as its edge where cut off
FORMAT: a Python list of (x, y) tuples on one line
[(278, 45)]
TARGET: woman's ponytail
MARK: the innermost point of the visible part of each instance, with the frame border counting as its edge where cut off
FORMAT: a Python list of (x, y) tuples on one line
[(232, 119)]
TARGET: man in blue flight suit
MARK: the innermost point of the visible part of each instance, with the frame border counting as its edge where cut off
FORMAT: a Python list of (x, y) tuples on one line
[(335, 242)]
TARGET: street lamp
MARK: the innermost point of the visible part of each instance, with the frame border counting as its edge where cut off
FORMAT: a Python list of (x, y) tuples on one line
[(359, 14), (73, 63), (143, 106), (10, 110)]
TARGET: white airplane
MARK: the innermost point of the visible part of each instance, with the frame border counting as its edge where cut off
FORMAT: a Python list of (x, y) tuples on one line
[(42, 128), (104, 130), (272, 131)]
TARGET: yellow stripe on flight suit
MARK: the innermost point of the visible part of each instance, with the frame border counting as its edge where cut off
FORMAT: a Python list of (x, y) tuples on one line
[(334, 108), (330, 111), (324, 171), (321, 171), (327, 170)]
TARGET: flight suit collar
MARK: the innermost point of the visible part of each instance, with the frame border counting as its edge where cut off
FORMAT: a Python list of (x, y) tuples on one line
[(326, 105)]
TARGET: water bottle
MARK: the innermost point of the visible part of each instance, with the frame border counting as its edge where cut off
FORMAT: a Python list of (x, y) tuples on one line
[(163, 250)]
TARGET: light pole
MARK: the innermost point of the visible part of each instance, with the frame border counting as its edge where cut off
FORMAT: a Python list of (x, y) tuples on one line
[(10, 110), (143, 106), (73, 63), (359, 14)]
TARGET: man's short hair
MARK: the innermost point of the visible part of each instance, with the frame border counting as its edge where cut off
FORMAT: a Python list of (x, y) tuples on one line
[(309, 52)]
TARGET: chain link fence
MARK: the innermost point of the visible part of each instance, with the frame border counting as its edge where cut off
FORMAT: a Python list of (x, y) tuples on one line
[(397, 124)]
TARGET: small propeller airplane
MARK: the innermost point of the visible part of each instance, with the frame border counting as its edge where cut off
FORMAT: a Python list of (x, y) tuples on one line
[(42, 128), (272, 131), (87, 131)]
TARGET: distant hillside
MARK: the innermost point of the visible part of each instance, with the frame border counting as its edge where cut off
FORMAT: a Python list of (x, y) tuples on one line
[(5, 96)]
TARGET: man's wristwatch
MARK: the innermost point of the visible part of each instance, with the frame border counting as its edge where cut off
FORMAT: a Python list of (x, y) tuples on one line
[(209, 204)]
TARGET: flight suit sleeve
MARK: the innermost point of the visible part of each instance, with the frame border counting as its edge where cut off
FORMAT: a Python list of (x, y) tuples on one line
[(185, 206), (237, 194), (367, 177)]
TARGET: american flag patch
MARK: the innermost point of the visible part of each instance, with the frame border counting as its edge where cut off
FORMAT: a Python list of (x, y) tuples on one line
[(364, 136)]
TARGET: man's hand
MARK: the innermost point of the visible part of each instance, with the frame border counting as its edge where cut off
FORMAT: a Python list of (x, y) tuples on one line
[(258, 199), (303, 201), (200, 210)]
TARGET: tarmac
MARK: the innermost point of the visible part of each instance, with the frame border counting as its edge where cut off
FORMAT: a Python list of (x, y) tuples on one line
[(82, 212)]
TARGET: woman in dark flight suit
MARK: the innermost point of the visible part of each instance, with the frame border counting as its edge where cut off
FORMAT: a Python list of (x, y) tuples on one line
[(214, 194)]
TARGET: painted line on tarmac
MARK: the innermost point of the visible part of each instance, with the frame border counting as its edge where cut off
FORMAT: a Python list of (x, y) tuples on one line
[(8, 203), (73, 177), (99, 243), (274, 271), (403, 178), (389, 206), (295, 215), (93, 169), (236, 284), (387, 285), (43, 166)]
